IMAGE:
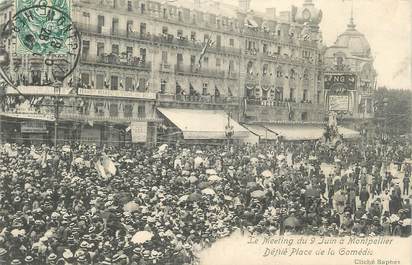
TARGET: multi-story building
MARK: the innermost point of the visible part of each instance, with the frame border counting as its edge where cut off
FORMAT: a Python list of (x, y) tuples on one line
[(350, 79), (154, 69)]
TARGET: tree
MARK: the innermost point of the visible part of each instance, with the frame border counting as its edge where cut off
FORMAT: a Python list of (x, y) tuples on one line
[(396, 113)]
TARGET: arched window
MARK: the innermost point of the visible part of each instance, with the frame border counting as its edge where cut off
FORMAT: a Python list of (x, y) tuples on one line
[(249, 67)]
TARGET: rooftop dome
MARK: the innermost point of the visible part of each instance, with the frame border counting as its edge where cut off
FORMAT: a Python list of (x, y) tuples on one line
[(354, 41)]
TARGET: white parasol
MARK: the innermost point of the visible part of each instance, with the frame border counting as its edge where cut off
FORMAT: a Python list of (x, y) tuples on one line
[(141, 237)]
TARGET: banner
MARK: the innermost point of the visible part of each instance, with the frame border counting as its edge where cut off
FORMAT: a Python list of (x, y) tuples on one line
[(345, 82), (338, 103), (139, 131)]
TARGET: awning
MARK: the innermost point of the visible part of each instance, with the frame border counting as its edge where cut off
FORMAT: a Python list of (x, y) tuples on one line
[(262, 132), (297, 132), (348, 133), (203, 124)]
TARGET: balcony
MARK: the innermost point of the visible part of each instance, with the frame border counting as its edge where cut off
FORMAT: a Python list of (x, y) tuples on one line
[(202, 99), (205, 72), (167, 68), (109, 60), (162, 39)]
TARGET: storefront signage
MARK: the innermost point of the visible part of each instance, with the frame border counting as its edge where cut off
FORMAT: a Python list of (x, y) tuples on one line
[(336, 81), (139, 131), (33, 127), (116, 93)]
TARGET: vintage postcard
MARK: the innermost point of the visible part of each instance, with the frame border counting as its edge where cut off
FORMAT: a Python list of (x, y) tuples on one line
[(204, 132)]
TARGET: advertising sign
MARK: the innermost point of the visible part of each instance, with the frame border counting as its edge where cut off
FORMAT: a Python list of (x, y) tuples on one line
[(333, 81), (33, 127), (338, 103), (139, 131)]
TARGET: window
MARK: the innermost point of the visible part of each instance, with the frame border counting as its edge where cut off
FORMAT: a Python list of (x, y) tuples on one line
[(279, 93), (164, 12), (163, 86), (143, 54), (231, 66), (113, 110), (142, 28), (114, 3), (305, 94), (279, 32), (114, 82), (179, 33), (164, 57), (292, 94), (205, 38), (179, 58), (279, 72), (231, 42), (129, 51), (265, 69), (85, 49), (204, 90), (99, 108), (85, 79), (318, 93), (206, 61), (193, 35), (86, 14), (128, 111), (292, 74), (304, 116), (339, 60), (129, 83), (100, 23), (218, 62), (141, 111), (142, 84), (265, 48), (129, 26), (115, 26), (142, 8), (129, 6), (164, 30), (100, 48), (192, 60), (179, 15), (99, 81), (218, 41), (115, 49)]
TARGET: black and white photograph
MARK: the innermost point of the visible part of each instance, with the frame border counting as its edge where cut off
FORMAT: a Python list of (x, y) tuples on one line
[(205, 132)]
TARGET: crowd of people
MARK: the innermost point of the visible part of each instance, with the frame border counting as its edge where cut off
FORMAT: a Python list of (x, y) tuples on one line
[(162, 205)]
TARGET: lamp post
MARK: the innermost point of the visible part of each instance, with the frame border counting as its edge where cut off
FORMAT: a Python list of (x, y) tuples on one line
[(57, 101), (385, 117)]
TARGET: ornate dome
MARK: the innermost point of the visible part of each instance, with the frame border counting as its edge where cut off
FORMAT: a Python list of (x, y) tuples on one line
[(354, 41)]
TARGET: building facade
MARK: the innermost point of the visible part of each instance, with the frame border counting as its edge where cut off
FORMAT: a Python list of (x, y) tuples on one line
[(139, 56), (351, 79)]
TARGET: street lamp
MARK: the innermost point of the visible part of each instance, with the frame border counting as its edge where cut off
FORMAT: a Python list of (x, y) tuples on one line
[(385, 114)]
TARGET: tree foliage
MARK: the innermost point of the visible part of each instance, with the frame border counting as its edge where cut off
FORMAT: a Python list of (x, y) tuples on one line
[(397, 112)]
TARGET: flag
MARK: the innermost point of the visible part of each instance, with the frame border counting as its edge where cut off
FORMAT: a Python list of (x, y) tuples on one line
[(108, 165), (128, 128), (121, 84), (207, 44), (90, 123), (100, 169), (43, 159)]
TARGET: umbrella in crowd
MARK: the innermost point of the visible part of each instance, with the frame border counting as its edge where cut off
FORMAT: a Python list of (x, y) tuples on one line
[(258, 194), (267, 174), (141, 237), (214, 178), (139, 206), (131, 207), (208, 191)]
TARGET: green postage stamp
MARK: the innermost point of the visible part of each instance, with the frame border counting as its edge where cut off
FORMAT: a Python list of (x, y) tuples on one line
[(43, 26)]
